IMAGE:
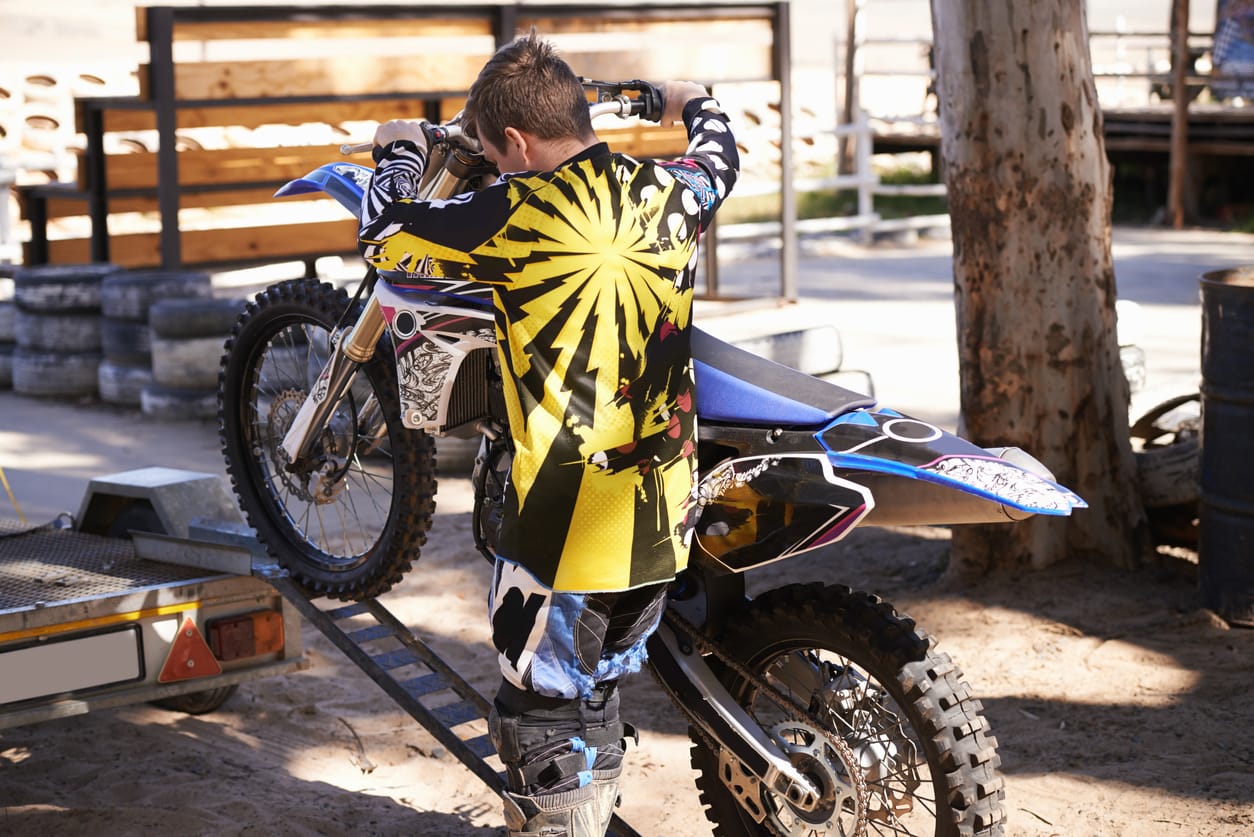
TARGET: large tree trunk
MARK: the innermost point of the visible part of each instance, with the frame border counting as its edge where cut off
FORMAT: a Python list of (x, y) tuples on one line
[(1029, 198)]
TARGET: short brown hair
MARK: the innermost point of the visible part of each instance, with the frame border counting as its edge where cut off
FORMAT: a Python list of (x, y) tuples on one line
[(526, 85)]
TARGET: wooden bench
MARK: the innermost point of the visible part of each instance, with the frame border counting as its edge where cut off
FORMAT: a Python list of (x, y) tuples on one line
[(235, 101)]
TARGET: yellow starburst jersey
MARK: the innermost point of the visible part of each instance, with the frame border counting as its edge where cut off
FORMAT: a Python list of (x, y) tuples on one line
[(592, 270)]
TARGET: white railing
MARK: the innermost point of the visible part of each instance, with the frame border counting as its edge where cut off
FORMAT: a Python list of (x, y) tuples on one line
[(866, 222)]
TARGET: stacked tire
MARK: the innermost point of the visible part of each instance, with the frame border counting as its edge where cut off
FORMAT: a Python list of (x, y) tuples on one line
[(8, 324), (187, 340), (126, 299), (57, 328)]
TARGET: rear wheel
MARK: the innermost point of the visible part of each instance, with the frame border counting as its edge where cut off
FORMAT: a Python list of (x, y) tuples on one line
[(197, 703), (349, 521), (850, 661)]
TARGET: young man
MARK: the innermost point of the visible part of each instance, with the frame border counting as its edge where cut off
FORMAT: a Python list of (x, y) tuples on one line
[(591, 258)]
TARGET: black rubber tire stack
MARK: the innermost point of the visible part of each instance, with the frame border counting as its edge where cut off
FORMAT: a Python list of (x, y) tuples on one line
[(57, 326), (187, 340), (126, 297), (8, 322)]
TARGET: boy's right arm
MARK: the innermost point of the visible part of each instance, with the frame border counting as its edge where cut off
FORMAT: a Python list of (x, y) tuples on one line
[(398, 231)]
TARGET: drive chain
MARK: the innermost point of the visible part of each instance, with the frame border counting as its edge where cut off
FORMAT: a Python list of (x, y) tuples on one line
[(707, 646)]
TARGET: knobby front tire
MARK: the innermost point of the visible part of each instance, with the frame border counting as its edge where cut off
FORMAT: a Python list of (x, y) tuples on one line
[(351, 522)]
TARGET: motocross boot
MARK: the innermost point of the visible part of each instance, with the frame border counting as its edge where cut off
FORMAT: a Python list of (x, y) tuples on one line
[(606, 797), (607, 734), (572, 813)]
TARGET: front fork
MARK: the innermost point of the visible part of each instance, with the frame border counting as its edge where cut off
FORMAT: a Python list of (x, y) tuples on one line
[(347, 355)]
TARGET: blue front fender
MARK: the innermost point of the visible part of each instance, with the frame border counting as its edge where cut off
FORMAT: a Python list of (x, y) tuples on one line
[(346, 182)]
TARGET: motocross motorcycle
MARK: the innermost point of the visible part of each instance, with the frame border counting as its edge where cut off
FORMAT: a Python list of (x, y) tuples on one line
[(813, 709)]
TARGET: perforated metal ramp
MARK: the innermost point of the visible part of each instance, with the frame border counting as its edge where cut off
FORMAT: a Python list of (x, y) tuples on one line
[(412, 674)]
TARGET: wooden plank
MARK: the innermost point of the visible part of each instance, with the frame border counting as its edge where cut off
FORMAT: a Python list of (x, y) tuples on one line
[(707, 49), (1199, 148), (269, 165), (287, 113), (71, 208), (270, 243), (220, 247), (646, 140), (417, 26), (65, 207), (135, 253), (224, 165), (333, 76)]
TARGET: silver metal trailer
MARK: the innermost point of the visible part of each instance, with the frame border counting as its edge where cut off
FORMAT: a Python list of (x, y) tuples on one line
[(87, 623)]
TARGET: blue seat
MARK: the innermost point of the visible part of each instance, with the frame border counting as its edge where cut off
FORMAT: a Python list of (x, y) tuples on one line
[(735, 386)]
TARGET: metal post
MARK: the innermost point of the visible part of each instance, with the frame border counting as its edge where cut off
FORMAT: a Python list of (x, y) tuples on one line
[(782, 70), (97, 182), (506, 24), (862, 167), (1179, 162), (161, 87), (37, 215)]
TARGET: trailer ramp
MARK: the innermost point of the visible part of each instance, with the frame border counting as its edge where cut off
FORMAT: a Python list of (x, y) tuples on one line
[(408, 670)]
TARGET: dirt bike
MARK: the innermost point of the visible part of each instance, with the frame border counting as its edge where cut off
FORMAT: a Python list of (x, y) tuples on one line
[(814, 709)]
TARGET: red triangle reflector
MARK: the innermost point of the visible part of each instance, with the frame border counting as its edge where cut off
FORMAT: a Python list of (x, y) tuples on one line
[(189, 656)]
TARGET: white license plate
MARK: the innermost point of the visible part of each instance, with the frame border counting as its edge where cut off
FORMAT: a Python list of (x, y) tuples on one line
[(69, 665)]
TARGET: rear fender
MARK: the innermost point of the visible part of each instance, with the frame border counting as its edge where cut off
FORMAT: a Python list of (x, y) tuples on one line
[(888, 443)]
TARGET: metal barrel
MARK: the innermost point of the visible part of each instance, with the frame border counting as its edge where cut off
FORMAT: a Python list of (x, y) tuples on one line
[(1226, 513)]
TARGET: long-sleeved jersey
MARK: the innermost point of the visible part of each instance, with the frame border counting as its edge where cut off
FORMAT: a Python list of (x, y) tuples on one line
[(592, 267)]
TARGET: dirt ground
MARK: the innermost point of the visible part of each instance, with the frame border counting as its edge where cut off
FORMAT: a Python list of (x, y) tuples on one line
[(1121, 708)]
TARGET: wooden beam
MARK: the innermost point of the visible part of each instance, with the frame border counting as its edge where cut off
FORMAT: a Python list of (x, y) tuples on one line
[(124, 120), (248, 165), (223, 166), (333, 76), (705, 49), (328, 29), (73, 208), (220, 247)]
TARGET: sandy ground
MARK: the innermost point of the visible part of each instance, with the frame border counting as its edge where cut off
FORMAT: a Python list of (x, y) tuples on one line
[(1121, 707)]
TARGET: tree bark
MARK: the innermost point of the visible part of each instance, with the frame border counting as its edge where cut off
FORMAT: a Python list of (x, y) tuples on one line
[(1030, 197)]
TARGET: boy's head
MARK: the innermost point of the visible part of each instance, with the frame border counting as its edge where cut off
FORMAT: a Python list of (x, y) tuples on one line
[(527, 86)]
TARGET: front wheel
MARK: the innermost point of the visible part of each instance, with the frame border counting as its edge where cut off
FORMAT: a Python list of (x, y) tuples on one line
[(865, 674), (348, 521)]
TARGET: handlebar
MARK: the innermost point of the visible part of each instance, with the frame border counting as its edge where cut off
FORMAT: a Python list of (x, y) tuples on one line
[(612, 98), (434, 134)]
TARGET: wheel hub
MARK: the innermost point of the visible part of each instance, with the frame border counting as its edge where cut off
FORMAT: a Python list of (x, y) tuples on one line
[(321, 484), (808, 751)]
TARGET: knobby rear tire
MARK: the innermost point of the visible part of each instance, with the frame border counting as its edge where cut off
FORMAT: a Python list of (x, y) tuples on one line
[(399, 494), (921, 687)]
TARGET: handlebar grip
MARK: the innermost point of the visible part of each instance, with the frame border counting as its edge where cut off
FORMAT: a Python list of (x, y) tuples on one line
[(435, 133), (648, 105)]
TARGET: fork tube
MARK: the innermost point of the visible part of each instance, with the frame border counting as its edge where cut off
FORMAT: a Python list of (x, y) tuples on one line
[(359, 344), (353, 349)]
